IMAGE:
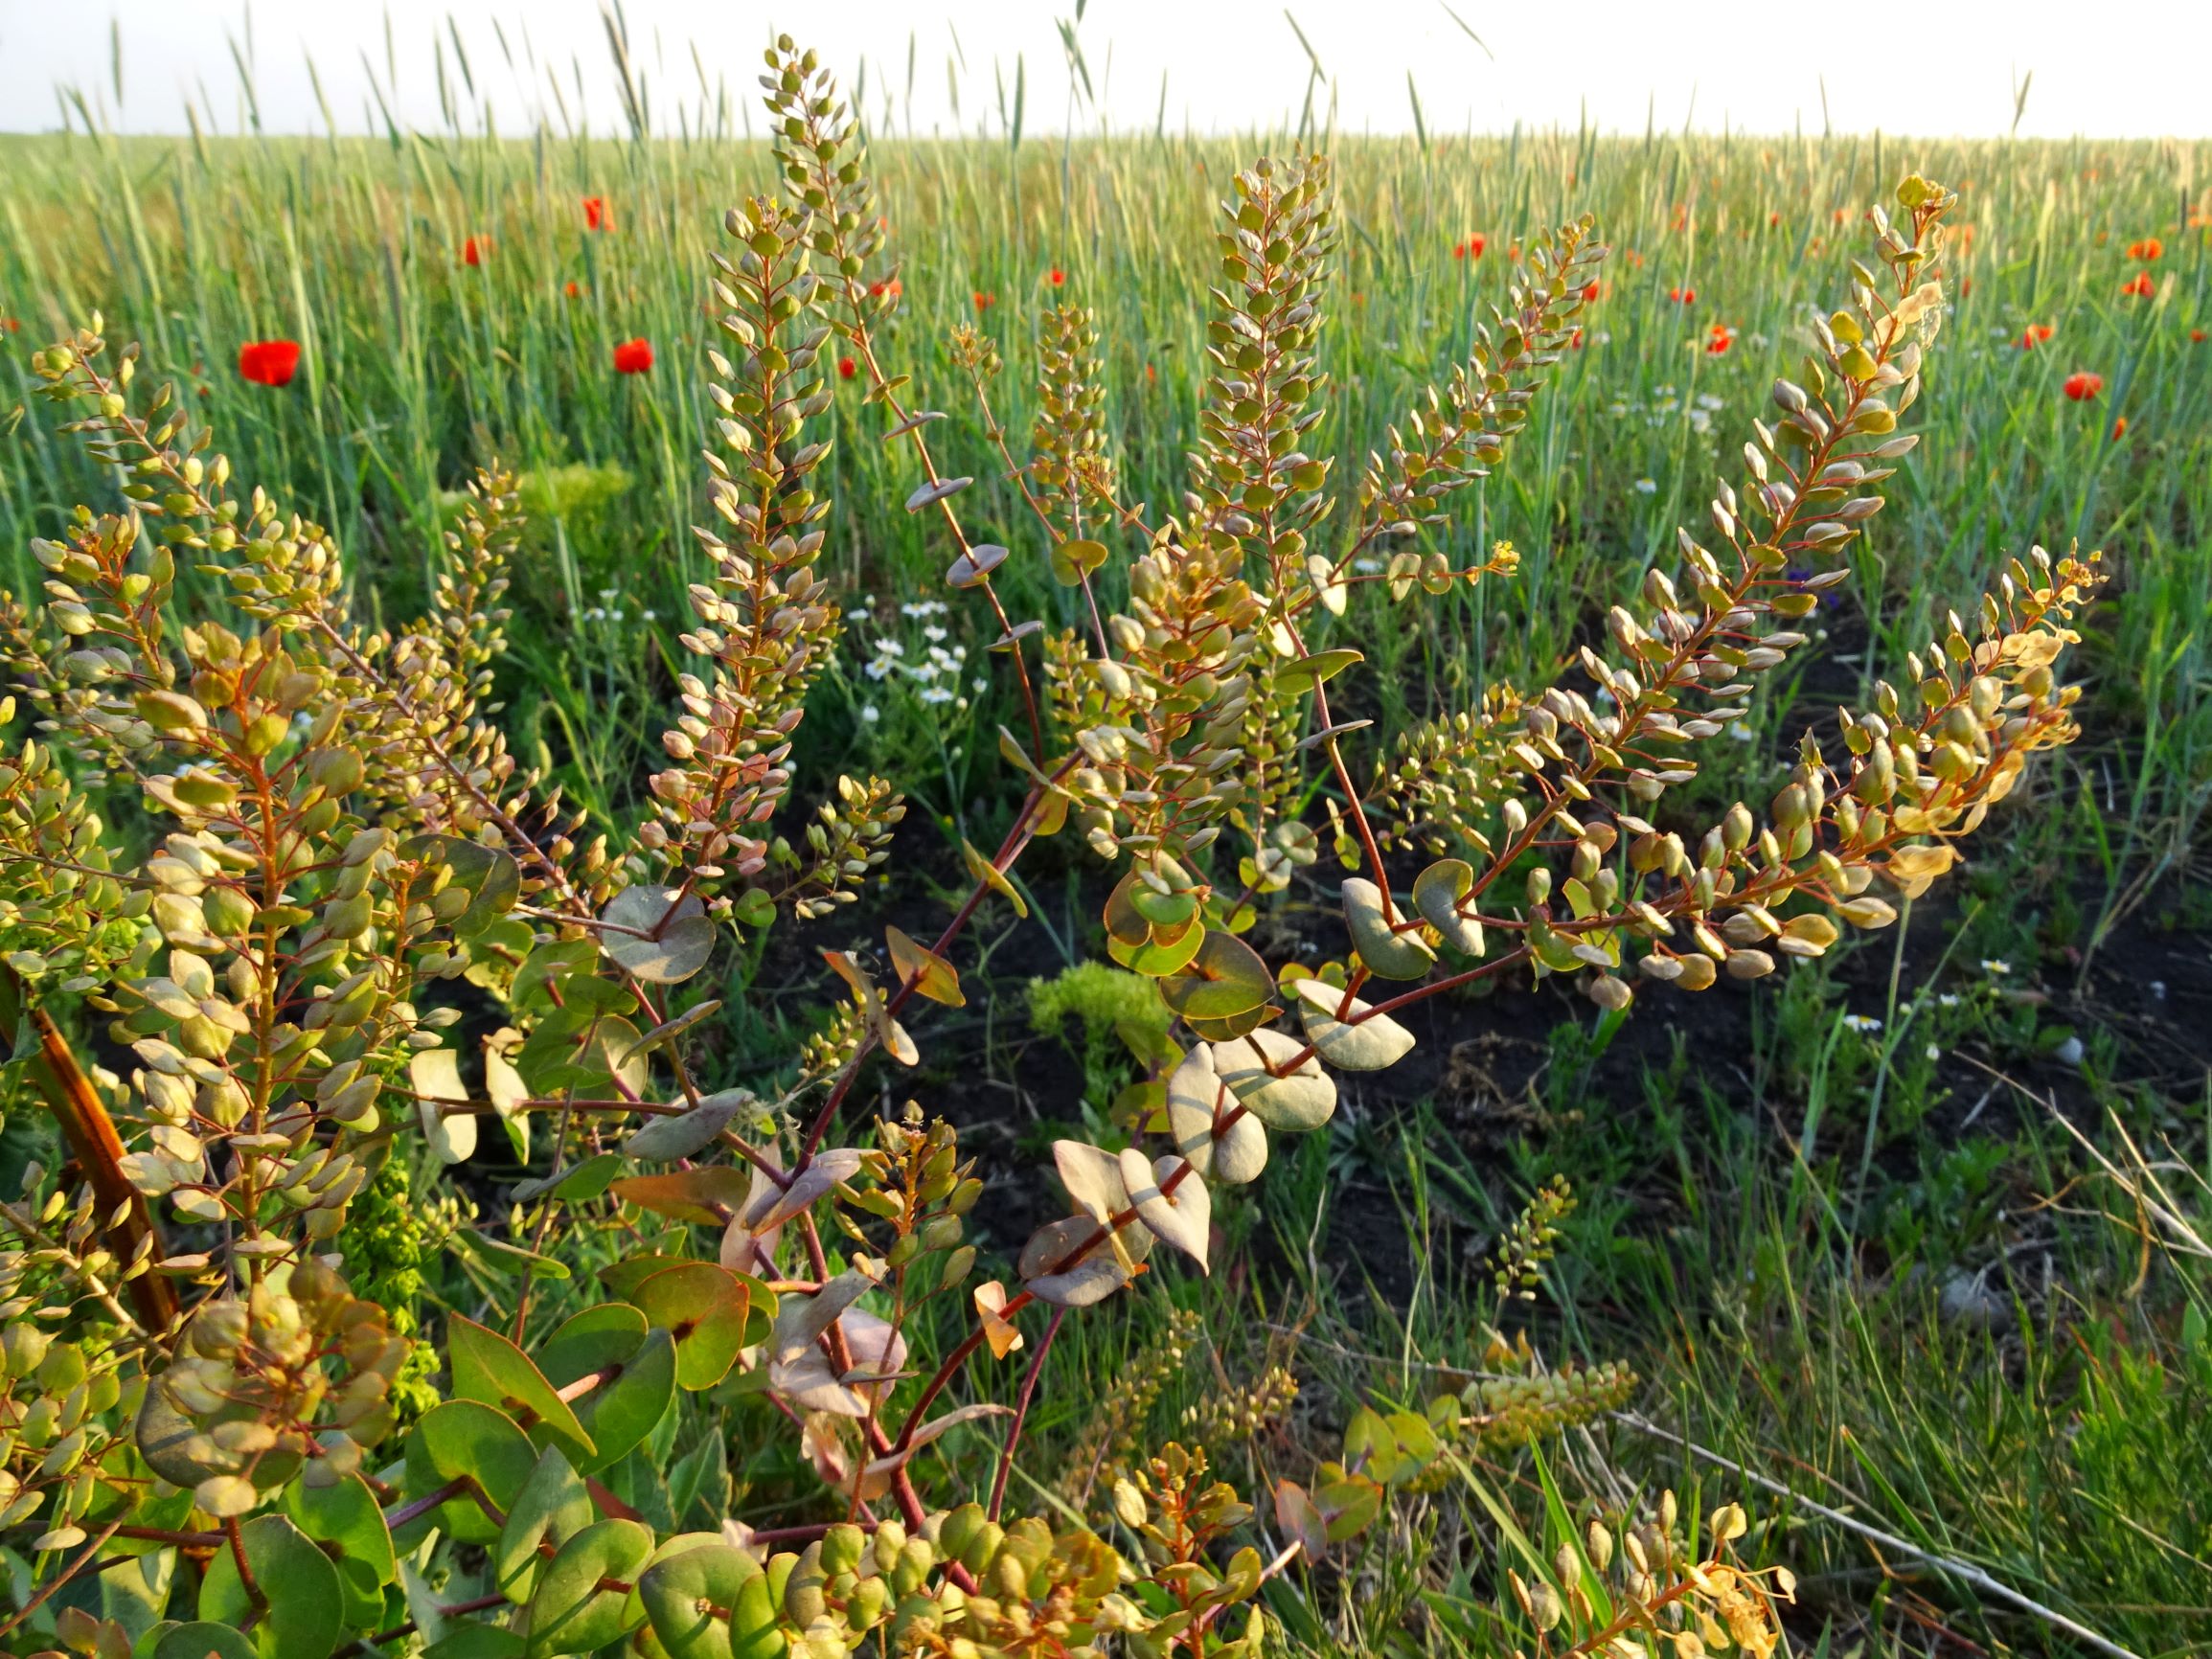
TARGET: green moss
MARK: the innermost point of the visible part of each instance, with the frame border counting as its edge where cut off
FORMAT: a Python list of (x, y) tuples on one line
[(382, 1246)]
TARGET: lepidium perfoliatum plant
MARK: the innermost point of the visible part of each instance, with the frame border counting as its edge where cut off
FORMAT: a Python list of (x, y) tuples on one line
[(221, 1439)]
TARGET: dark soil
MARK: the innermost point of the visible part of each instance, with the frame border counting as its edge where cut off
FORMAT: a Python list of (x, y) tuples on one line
[(1484, 1056)]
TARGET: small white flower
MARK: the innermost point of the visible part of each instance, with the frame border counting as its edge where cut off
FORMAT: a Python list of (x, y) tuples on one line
[(876, 670), (1862, 1022), (1647, 487), (1949, 999), (870, 713), (649, 615), (889, 647), (1996, 967), (1743, 734), (856, 615), (933, 632), (1367, 566), (609, 593), (1934, 1053), (936, 695), (980, 684)]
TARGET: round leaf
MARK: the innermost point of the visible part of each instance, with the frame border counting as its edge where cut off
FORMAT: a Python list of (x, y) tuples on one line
[(489, 1367), (1093, 1278), (466, 1436), (1226, 978), (1436, 894), (702, 1307), (677, 936), (552, 1507), (203, 1639), (683, 1596), (620, 1412), (1353, 1037), (1386, 954), (1093, 1179), (346, 1526), (681, 1134), (578, 1607), (1196, 1104), (164, 1436), (1073, 560), (1184, 1218), (973, 567), (1304, 1099), (300, 1584)]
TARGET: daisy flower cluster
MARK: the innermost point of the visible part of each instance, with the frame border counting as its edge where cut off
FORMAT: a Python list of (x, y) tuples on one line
[(611, 609), (920, 657)]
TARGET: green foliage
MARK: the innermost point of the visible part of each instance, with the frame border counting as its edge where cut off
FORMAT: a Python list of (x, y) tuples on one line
[(351, 864)]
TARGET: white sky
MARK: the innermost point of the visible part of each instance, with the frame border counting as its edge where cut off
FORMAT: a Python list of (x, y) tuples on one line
[(1928, 68)]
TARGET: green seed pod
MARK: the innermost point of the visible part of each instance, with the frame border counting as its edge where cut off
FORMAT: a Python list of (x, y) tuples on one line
[(956, 1530), (841, 1547), (983, 1547), (1736, 828), (865, 1610), (913, 1567), (889, 1542)]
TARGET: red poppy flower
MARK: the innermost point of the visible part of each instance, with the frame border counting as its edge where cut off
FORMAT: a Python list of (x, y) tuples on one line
[(633, 357), (847, 368), (572, 290), (1720, 339), (2149, 248), (1684, 296), (1472, 248), (1593, 288), (2119, 429), (269, 362), (2034, 336), (594, 214), (1575, 341), (1151, 376), (473, 250), (2139, 287), (2082, 385), (1773, 219), (2197, 336), (1056, 276), (984, 301), (893, 286), (1964, 286)]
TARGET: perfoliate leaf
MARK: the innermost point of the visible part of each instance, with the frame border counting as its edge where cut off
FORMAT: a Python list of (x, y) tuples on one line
[(1184, 1218), (1351, 1035), (665, 936), (930, 973), (1385, 953)]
